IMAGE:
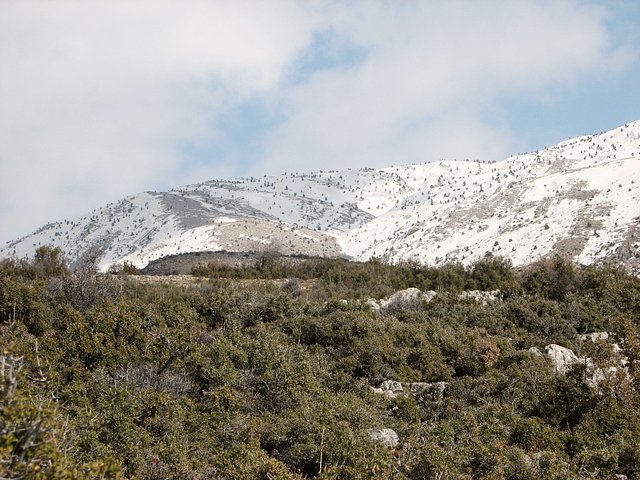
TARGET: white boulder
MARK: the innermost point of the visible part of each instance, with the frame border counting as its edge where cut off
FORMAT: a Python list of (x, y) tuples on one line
[(373, 304), (409, 299), (389, 388), (561, 357), (535, 351), (386, 437), (434, 391), (480, 296), (392, 386)]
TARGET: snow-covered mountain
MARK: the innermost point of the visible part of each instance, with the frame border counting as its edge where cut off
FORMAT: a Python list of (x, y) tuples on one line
[(579, 199)]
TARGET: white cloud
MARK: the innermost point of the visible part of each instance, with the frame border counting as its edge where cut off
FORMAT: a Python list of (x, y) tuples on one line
[(99, 97), (432, 66), (104, 98)]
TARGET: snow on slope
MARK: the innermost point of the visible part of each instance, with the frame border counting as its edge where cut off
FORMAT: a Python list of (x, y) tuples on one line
[(578, 198)]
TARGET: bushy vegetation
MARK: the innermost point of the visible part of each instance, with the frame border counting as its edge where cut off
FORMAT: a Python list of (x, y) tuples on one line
[(372, 278), (242, 377)]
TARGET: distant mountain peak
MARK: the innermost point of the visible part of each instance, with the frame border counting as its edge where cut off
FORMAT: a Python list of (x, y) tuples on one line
[(578, 199)]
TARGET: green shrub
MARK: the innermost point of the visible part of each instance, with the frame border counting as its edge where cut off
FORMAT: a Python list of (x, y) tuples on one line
[(249, 378)]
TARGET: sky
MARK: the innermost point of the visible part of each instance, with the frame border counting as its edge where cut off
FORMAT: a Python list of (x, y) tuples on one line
[(103, 99)]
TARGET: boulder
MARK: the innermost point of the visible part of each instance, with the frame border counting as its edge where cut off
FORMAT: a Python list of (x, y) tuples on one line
[(561, 357), (480, 296), (595, 336), (373, 304), (389, 388), (386, 437), (409, 299), (535, 351), (392, 385), (432, 391)]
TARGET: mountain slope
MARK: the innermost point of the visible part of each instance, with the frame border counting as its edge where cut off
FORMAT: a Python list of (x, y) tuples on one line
[(578, 198)]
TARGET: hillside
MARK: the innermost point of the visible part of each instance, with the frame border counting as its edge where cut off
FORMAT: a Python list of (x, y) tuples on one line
[(362, 371), (577, 199)]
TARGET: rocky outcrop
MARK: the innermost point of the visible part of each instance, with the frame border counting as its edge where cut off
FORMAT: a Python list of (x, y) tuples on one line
[(536, 351), (385, 436), (408, 299), (563, 359), (418, 390), (430, 391), (389, 388), (412, 298), (480, 296)]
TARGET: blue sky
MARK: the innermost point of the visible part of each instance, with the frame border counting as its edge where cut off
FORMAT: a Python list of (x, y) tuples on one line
[(101, 99)]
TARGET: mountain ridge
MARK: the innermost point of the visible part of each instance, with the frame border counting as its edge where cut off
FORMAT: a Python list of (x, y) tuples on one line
[(577, 199)]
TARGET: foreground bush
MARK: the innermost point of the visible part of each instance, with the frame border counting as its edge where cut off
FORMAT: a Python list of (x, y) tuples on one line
[(110, 377)]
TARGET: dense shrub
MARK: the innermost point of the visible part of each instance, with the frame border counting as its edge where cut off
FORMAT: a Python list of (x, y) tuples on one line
[(247, 377)]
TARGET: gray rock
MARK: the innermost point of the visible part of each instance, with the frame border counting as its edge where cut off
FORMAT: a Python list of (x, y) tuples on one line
[(389, 388), (561, 357), (595, 336), (432, 391), (392, 385), (385, 436), (564, 358), (373, 304), (409, 299), (480, 296), (535, 351)]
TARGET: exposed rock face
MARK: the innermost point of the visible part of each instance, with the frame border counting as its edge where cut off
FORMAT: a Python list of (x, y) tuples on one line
[(392, 385), (432, 391), (386, 437), (412, 298), (561, 357), (564, 358), (480, 296), (389, 388), (419, 390), (535, 351), (409, 299)]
